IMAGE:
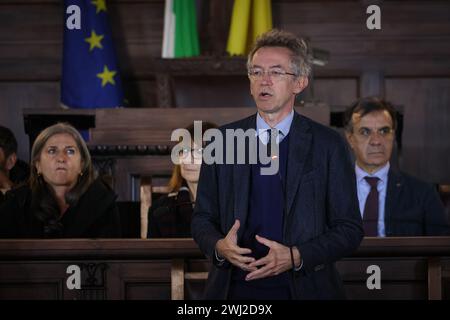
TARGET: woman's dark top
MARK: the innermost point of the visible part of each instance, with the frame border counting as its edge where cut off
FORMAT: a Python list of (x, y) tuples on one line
[(95, 215), (170, 216)]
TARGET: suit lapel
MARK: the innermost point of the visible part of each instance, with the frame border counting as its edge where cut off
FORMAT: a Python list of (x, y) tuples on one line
[(299, 146), (392, 198), (241, 181)]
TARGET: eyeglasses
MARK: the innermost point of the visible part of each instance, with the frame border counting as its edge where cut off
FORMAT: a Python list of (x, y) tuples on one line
[(274, 74), (365, 133), (187, 152)]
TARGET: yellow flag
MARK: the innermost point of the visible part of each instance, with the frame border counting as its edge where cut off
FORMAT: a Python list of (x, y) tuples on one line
[(249, 20), (237, 38), (262, 17)]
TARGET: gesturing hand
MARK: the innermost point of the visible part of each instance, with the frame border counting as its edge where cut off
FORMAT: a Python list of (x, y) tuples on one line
[(228, 249), (275, 262)]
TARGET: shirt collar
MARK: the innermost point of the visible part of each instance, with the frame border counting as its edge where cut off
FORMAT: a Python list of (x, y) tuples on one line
[(381, 174), (283, 126)]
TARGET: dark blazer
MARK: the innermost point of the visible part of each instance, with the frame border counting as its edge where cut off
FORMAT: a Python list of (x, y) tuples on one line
[(413, 208), (170, 216), (322, 217), (94, 216), (19, 175)]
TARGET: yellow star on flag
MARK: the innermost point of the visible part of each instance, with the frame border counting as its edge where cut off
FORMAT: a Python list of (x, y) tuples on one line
[(100, 4), (94, 40), (107, 76)]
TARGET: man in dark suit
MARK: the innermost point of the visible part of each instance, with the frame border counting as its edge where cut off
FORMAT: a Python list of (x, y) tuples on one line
[(277, 236), (391, 202), (8, 158), (13, 171)]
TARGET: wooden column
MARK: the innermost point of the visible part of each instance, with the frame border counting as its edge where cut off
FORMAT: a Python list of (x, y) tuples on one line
[(177, 277), (434, 278), (146, 202)]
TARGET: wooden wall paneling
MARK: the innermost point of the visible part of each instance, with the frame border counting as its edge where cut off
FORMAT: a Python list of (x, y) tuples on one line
[(145, 280), (141, 269), (31, 281), (412, 34), (135, 280), (202, 82), (435, 278), (16, 96), (140, 93), (425, 101), (31, 40), (137, 28), (137, 136), (215, 91), (145, 166), (148, 119), (217, 26), (371, 84), (400, 278), (164, 91), (338, 93), (154, 126), (446, 277)]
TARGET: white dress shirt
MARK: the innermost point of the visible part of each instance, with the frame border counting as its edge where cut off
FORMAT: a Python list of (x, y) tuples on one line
[(283, 127)]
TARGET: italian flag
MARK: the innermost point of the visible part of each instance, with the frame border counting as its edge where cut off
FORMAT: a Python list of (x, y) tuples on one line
[(180, 38)]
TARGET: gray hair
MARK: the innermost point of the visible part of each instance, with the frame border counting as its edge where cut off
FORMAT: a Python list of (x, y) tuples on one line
[(300, 61), (87, 170)]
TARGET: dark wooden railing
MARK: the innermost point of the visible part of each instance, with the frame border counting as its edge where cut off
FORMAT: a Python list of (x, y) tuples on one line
[(411, 268)]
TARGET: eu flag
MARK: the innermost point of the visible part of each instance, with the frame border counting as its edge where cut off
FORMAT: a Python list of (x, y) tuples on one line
[(90, 75)]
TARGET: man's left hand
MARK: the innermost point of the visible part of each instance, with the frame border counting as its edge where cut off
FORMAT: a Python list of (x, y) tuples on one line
[(278, 260)]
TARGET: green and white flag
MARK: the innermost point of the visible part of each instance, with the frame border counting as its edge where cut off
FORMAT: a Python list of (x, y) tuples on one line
[(180, 38)]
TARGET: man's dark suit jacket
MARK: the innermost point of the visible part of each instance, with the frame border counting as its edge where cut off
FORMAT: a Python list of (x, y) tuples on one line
[(413, 208), (322, 217)]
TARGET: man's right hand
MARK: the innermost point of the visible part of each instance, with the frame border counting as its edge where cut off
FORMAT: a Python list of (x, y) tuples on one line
[(228, 249)]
